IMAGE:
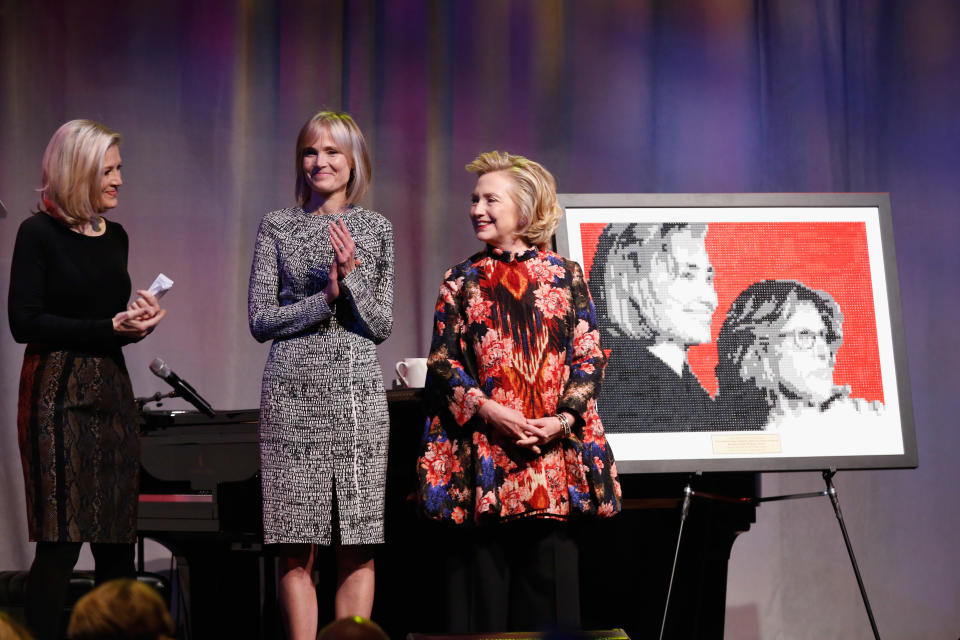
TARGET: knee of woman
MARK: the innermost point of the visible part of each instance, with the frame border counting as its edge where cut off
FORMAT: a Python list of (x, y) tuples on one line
[(62, 554), (297, 558), (352, 558)]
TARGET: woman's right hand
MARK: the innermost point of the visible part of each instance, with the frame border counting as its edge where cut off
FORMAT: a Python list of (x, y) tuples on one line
[(344, 248), (135, 323), (513, 424), (332, 291)]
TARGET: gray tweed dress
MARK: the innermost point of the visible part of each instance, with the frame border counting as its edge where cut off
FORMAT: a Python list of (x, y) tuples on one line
[(323, 410)]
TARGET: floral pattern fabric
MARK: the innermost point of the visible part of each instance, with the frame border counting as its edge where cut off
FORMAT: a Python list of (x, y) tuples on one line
[(518, 329)]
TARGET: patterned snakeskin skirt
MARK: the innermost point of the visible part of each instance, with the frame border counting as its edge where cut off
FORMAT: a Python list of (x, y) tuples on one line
[(77, 424)]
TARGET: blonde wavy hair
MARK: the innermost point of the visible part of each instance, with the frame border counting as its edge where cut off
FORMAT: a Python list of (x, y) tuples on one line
[(71, 170), (534, 193), (349, 139)]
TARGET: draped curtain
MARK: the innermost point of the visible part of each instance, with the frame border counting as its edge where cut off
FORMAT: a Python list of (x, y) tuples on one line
[(613, 96)]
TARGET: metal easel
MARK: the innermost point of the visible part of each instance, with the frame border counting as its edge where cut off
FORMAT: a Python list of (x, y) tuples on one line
[(830, 491)]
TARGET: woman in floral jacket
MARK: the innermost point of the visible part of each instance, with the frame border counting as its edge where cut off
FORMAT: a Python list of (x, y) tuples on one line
[(514, 447)]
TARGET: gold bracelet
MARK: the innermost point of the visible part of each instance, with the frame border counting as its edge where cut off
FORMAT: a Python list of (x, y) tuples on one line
[(564, 424)]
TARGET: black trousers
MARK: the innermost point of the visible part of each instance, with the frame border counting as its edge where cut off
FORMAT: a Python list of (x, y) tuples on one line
[(49, 579), (517, 576)]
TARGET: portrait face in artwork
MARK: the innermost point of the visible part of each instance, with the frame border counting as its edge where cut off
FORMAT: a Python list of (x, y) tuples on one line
[(779, 342), (656, 282), (800, 359)]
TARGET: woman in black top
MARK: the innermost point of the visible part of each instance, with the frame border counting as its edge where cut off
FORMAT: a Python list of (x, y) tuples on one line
[(77, 420)]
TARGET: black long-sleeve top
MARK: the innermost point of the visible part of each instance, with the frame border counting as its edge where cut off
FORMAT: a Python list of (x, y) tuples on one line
[(66, 287)]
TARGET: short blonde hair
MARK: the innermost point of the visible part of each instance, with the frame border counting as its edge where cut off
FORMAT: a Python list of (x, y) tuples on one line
[(349, 139), (71, 169), (120, 609), (535, 193)]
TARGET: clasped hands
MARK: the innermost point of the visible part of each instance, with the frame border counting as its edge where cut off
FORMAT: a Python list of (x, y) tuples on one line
[(524, 432), (344, 259), (140, 317)]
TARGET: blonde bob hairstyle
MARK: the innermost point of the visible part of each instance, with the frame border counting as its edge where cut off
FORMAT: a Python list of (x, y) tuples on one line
[(71, 170), (534, 193), (120, 609), (349, 139)]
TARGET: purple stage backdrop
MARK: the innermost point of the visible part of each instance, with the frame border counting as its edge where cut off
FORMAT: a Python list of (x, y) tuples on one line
[(618, 96)]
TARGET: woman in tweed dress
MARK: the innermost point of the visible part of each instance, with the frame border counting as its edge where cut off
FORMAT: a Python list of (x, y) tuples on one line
[(321, 288)]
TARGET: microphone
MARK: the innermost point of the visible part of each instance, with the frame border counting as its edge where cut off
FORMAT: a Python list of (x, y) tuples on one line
[(182, 388)]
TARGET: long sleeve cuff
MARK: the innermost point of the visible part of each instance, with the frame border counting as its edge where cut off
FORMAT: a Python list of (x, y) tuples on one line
[(466, 403), (316, 308)]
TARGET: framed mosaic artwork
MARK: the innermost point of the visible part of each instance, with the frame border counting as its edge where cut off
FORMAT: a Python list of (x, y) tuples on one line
[(746, 332)]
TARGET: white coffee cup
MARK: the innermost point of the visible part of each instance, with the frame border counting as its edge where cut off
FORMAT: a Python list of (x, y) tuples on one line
[(412, 372)]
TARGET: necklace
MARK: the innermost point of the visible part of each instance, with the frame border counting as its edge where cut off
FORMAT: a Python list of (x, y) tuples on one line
[(82, 227)]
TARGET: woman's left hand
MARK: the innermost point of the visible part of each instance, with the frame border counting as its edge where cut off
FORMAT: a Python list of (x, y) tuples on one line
[(344, 248), (146, 303), (551, 426)]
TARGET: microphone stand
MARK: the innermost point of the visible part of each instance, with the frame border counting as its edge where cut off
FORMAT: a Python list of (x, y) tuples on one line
[(158, 397)]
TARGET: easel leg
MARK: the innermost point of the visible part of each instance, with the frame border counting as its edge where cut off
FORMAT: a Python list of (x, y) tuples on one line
[(684, 511), (832, 493)]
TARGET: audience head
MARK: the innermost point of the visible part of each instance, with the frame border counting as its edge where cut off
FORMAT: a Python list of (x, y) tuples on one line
[(10, 629), (120, 610), (352, 628)]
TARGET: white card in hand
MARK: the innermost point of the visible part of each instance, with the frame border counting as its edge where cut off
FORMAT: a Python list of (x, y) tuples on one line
[(161, 284)]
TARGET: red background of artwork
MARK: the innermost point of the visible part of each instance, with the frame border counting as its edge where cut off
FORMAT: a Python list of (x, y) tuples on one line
[(829, 256)]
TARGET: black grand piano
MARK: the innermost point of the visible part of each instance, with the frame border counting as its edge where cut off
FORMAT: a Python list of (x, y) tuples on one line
[(200, 497)]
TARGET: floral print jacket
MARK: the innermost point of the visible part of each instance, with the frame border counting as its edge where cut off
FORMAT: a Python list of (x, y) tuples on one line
[(518, 329)]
